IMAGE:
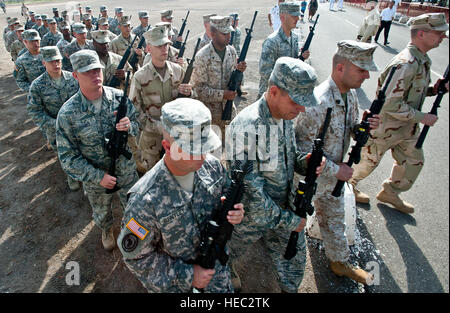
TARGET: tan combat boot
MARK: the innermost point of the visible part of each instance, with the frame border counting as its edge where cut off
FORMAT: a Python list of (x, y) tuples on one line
[(108, 239), (352, 272), (235, 279), (387, 195), (360, 196)]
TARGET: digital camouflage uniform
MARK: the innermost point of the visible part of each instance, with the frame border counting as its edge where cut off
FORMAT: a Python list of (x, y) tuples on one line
[(10, 37), (268, 195), (15, 48), (51, 39), (42, 30)]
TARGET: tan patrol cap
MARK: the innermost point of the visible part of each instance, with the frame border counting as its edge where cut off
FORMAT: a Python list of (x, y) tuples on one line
[(222, 24), (207, 17), (358, 53), (430, 21), (103, 21), (167, 14), (100, 36), (157, 36), (169, 27), (125, 20)]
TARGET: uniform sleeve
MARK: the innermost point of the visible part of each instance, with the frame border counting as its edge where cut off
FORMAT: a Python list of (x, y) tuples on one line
[(133, 116), (266, 64), (36, 110), (72, 161), (200, 81), (136, 98), (154, 268), (401, 83), (21, 77)]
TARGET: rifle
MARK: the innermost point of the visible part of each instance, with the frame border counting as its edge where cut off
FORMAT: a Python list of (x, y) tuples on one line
[(190, 68), (308, 39), (183, 46), (236, 76), (134, 59), (117, 143), (362, 131), (177, 44), (234, 32), (218, 230), (441, 91), (114, 82), (307, 188)]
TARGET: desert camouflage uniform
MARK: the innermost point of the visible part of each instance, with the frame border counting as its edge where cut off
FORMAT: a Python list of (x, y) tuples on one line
[(268, 191), (81, 131), (370, 25), (111, 66), (163, 260), (275, 46), (149, 92), (172, 56), (210, 79), (329, 209), (51, 39), (400, 118), (119, 45), (27, 69), (16, 47)]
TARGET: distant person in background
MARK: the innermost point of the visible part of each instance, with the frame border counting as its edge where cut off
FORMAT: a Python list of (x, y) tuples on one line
[(387, 16), (274, 16), (312, 9), (303, 5), (370, 24), (341, 5)]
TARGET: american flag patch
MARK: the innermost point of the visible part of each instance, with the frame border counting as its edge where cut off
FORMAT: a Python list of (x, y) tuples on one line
[(137, 229)]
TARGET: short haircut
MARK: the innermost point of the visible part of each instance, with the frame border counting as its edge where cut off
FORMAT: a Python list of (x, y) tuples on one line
[(337, 59), (272, 83)]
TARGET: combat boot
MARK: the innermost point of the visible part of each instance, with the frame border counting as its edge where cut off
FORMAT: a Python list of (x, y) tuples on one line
[(108, 239), (352, 272), (387, 195), (360, 196), (235, 279), (74, 185)]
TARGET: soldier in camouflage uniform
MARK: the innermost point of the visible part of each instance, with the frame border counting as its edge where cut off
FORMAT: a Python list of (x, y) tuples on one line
[(281, 43), (80, 43), (206, 39), (401, 114), (38, 23), (87, 20), (351, 65), (83, 124), (43, 29), (30, 23), (103, 24), (63, 43), (56, 16), (17, 48), (114, 23), (47, 94), (267, 198), (53, 36), (167, 16), (29, 65), (237, 34), (143, 27), (120, 44), (153, 85), (11, 35), (93, 18), (214, 65), (168, 208), (104, 13)]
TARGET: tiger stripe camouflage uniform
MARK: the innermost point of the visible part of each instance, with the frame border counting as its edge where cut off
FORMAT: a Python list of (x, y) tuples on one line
[(171, 218)]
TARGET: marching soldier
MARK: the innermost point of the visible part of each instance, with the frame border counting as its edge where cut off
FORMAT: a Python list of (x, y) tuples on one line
[(11, 35), (142, 28), (237, 33), (103, 24), (63, 43), (87, 20), (56, 16), (38, 24), (30, 23), (83, 124), (80, 43), (120, 44), (206, 39), (351, 65), (167, 16), (47, 94), (401, 114), (114, 24), (158, 82), (29, 65), (17, 48), (168, 208), (53, 36), (43, 29)]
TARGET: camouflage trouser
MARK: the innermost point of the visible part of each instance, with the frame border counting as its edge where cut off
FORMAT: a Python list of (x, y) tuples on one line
[(150, 146), (101, 201), (330, 212), (288, 272), (407, 165)]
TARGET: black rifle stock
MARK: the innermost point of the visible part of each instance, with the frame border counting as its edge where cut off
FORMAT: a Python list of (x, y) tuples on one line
[(218, 230), (436, 104), (183, 46), (177, 44), (115, 82), (117, 144), (236, 76), (307, 187), (135, 58), (190, 68), (362, 131), (308, 39)]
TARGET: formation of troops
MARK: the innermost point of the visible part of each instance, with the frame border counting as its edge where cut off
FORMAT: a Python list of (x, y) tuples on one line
[(174, 179)]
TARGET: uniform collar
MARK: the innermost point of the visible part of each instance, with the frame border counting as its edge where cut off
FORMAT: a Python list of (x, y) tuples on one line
[(168, 74), (86, 105), (422, 58)]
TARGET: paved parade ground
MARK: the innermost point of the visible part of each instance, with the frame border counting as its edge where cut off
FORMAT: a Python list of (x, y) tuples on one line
[(46, 230)]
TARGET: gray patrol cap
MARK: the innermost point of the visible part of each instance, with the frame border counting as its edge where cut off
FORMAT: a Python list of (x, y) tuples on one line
[(31, 34), (430, 21), (167, 14), (157, 36), (50, 53), (103, 8), (125, 20), (143, 14), (118, 9), (290, 8), (358, 53), (103, 21), (13, 21), (79, 28), (188, 122), (222, 24), (51, 20), (297, 78), (100, 36), (85, 60)]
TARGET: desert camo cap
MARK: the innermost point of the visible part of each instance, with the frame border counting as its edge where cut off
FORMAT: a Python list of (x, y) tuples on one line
[(157, 36), (358, 53), (167, 14), (207, 17), (31, 34), (290, 8), (50, 53), (18, 27), (85, 60), (297, 78), (168, 25), (103, 21), (222, 24), (100, 36), (430, 21), (188, 122), (125, 20), (86, 17)]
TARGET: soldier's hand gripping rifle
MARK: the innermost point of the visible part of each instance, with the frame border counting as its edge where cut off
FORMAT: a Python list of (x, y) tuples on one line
[(117, 143), (236, 76), (233, 33), (362, 131), (190, 68), (177, 44), (134, 58), (308, 39), (441, 91), (115, 82), (307, 188), (183, 46), (218, 230)]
